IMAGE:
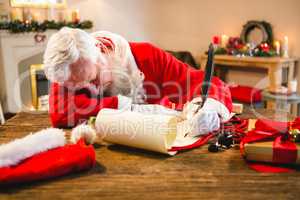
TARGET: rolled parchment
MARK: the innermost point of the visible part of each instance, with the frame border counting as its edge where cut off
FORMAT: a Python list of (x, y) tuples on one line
[(146, 131)]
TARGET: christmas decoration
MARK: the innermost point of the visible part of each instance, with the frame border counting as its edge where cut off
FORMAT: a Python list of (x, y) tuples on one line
[(242, 46), (263, 26), (18, 26), (272, 142), (236, 47), (264, 50)]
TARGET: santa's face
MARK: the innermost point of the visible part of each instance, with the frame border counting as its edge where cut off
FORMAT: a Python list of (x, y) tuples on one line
[(85, 73)]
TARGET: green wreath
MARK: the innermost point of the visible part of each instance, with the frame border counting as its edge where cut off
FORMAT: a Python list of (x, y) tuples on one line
[(264, 26)]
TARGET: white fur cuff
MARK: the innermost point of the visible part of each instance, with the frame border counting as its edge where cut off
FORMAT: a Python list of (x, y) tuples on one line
[(85, 132), (124, 103)]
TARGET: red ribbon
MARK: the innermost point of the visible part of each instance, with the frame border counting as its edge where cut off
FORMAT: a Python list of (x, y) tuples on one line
[(284, 150)]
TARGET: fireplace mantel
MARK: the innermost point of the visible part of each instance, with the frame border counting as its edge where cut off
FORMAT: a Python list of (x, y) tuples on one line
[(14, 48)]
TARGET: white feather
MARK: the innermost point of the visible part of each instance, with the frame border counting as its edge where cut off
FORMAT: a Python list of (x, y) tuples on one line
[(16, 151), (83, 131)]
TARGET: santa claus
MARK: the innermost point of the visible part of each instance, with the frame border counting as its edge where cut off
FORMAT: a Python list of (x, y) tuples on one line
[(102, 70)]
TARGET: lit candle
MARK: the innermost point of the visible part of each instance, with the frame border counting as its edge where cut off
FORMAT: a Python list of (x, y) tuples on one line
[(75, 16), (27, 14), (16, 14), (286, 47), (224, 41), (277, 47)]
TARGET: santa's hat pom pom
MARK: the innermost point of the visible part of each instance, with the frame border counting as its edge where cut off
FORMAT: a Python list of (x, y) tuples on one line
[(85, 132)]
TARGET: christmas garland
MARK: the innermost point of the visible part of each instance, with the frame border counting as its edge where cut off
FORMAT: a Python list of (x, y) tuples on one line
[(34, 26), (240, 46)]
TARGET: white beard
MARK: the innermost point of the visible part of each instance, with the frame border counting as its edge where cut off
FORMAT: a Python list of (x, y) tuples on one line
[(127, 80)]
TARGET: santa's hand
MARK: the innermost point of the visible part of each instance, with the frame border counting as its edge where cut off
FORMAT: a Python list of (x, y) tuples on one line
[(205, 120)]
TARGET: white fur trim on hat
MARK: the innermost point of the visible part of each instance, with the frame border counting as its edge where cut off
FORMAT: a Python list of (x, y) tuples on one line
[(18, 150), (83, 131), (124, 103)]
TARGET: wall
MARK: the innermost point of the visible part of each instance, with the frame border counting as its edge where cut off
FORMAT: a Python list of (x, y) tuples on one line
[(190, 24)]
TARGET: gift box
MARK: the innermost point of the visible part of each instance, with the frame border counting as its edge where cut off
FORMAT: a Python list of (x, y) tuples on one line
[(272, 141), (268, 152)]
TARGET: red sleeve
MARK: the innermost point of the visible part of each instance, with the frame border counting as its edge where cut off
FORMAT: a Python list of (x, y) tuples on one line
[(181, 83), (67, 109)]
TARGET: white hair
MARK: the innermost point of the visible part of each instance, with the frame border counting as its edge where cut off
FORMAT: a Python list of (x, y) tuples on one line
[(68, 45)]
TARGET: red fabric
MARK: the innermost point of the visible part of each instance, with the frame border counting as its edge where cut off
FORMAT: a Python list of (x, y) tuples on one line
[(245, 94), (268, 168), (53, 163), (69, 108), (284, 150), (202, 140), (159, 67)]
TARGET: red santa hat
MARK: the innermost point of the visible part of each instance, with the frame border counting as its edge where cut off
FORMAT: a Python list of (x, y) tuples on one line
[(43, 155)]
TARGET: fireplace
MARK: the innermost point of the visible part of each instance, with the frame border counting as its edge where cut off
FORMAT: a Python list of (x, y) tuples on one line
[(17, 53), (39, 88)]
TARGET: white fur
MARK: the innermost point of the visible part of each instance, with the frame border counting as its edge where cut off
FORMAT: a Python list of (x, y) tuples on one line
[(18, 150), (83, 131)]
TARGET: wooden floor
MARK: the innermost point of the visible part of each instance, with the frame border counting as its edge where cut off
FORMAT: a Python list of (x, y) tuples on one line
[(126, 173)]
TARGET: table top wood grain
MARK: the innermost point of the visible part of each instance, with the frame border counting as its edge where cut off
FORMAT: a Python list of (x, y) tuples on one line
[(127, 173)]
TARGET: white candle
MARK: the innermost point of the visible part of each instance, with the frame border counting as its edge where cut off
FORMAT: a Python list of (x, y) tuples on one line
[(292, 86), (75, 16), (277, 47), (286, 47), (224, 41)]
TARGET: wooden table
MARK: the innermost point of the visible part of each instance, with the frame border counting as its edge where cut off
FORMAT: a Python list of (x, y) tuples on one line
[(126, 173), (273, 65)]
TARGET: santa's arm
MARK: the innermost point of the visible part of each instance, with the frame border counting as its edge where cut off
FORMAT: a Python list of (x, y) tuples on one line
[(67, 109), (181, 83)]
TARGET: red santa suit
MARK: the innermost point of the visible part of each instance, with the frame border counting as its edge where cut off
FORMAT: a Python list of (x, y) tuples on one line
[(69, 108)]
